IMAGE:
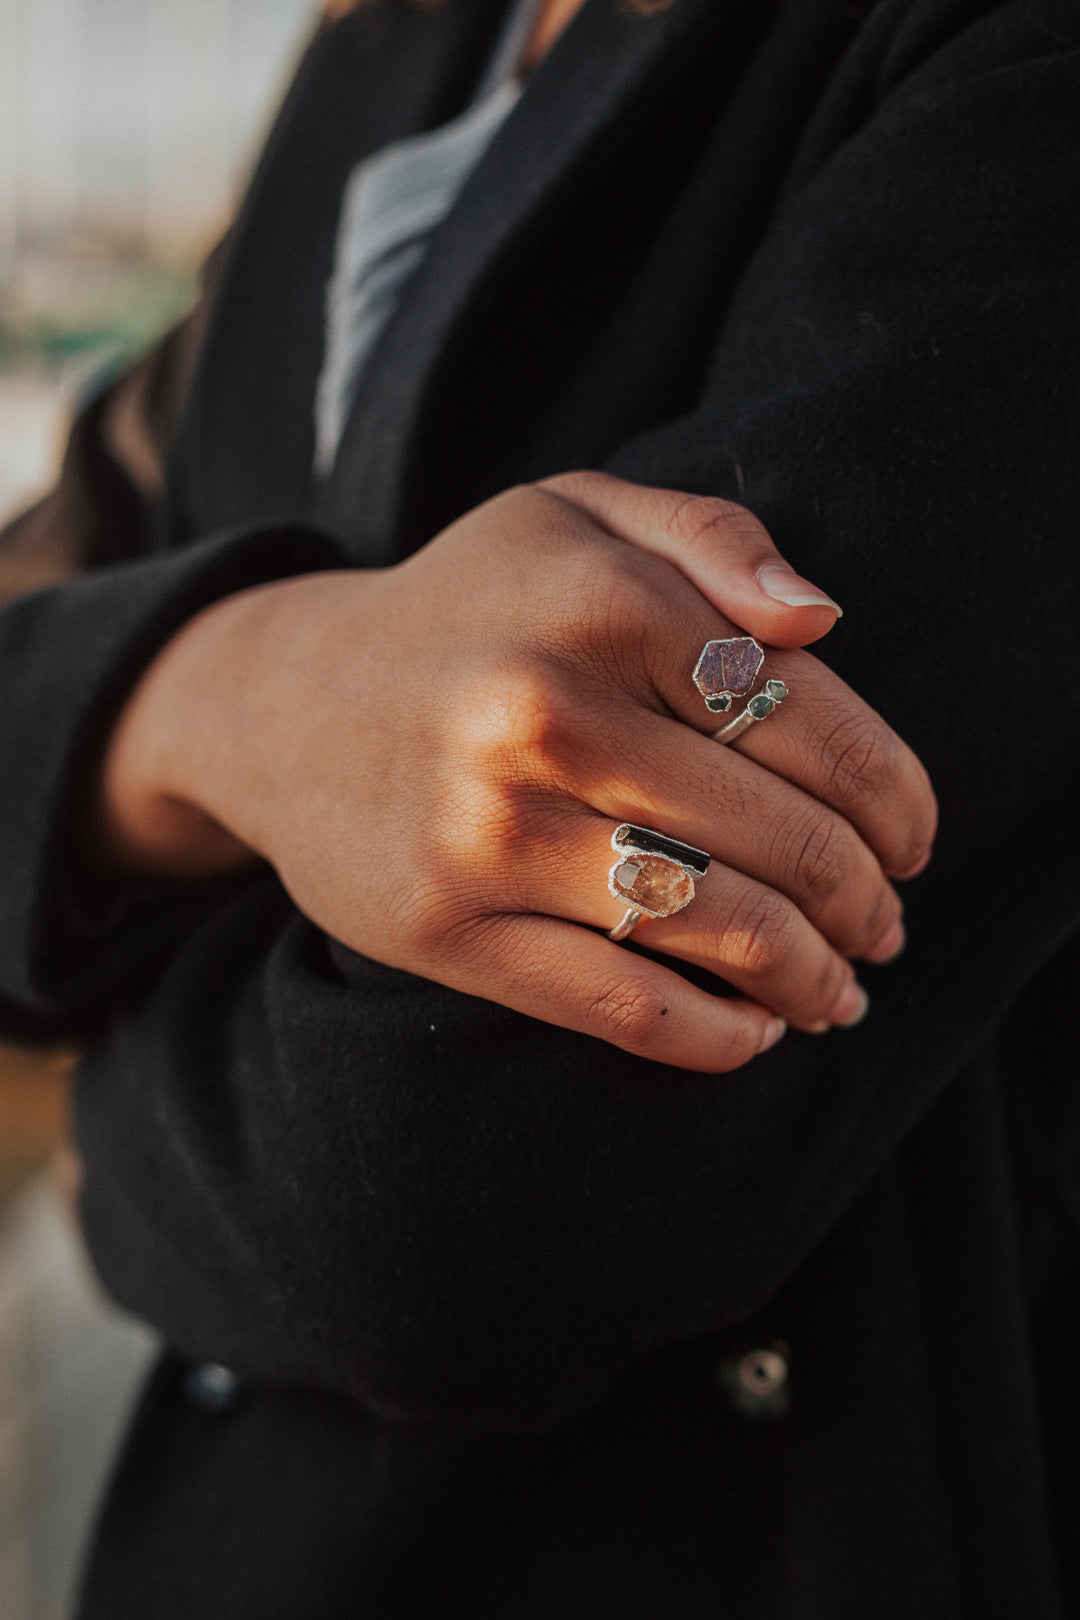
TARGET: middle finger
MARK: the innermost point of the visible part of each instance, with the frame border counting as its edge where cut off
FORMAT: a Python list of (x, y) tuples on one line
[(659, 773)]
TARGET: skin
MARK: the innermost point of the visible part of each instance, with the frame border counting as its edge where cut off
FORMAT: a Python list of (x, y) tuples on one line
[(553, 17), (434, 756)]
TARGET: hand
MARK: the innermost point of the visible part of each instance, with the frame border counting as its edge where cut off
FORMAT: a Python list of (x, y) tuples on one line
[(434, 757)]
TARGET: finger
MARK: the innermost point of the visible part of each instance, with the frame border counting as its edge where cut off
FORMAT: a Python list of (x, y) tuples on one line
[(565, 975), (660, 774), (721, 548), (828, 741), (749, 935), (823, 738), (761, 944)]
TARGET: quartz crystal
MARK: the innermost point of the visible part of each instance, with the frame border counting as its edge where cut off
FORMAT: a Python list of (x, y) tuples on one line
[(728, 666), (652, 884)]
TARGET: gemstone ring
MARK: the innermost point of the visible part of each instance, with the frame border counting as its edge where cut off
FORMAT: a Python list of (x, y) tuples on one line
[(654, 875), (728, 669), (760, 706)]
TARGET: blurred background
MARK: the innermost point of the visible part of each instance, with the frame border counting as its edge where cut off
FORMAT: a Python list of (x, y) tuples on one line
[(126, 130)]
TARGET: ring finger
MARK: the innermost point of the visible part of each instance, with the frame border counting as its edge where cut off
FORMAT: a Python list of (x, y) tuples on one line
[(661, 774), (746, 933)]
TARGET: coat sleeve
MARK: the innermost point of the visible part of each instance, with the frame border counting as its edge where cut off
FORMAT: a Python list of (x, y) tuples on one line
[(321, 1170), (89, 600)]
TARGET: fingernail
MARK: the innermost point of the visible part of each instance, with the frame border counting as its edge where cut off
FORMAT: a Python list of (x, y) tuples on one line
[(785, 585), (852, 1007), (774, 1030), (889, 945), (920, 866)]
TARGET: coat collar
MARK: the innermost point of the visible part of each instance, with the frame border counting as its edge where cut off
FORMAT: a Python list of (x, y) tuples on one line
[(389, 70), (587, 97)]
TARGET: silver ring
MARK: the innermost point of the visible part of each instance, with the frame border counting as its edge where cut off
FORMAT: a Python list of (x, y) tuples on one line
[(728, 669), (653, 877), (759, 708)]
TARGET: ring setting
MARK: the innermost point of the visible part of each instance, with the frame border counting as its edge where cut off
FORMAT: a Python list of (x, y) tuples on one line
[(654, 875), (728, 669)]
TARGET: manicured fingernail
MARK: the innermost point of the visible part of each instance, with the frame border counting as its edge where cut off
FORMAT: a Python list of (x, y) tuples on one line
[(852, 1007), (774, 1031), (785, 585), (889, 945)]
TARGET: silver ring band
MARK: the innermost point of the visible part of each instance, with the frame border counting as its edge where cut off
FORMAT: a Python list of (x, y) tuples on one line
[(624, 929), (759, 708)]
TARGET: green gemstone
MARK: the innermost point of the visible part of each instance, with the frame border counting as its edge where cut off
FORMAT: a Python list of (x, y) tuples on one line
[(776, 690), (719, 705), (760, 706)]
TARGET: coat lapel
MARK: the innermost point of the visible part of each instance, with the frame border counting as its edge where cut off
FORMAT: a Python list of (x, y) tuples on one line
[(388, 69), (587, 97)]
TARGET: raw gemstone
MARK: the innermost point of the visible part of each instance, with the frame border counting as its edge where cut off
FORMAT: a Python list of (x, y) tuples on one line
[(634, 841), (721, 704), (761, 706), (652, 884), (728, 666), (776, 690)]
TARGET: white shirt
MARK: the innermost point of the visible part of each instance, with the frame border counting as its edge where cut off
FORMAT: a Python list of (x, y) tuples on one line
[(392, 203)]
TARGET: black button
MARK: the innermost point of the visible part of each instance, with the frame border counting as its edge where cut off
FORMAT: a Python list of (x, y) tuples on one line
[(213, 1387), (757, 1381)]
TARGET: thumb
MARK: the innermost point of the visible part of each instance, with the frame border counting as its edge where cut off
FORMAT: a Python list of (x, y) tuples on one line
[(720, 547)]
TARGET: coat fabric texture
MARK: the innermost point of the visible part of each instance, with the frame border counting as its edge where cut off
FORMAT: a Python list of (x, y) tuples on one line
[(484, 1282)]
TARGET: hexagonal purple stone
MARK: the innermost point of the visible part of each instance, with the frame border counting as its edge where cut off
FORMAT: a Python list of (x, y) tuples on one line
[(728, 667)]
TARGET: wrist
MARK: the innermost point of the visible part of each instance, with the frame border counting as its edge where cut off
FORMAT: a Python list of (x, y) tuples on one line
[(182, 771)]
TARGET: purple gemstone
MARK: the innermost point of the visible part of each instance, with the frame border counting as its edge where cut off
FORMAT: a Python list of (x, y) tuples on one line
[(728, 666)]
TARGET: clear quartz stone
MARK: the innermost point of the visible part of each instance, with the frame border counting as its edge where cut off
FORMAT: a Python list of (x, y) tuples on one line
[(658, 887)]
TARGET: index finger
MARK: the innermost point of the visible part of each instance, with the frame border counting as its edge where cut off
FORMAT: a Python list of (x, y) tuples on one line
[(719, 546)]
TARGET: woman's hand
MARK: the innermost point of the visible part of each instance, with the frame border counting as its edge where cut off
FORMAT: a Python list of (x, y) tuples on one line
[(434, 758)]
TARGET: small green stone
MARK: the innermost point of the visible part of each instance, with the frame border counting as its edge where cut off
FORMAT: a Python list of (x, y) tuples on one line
[(761, 706), (776, 690), (719, 705)]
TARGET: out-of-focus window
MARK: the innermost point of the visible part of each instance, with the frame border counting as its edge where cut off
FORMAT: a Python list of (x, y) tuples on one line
[(126, 129)]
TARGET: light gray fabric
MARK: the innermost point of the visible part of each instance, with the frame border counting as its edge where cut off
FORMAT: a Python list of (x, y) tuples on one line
[(392, 203)]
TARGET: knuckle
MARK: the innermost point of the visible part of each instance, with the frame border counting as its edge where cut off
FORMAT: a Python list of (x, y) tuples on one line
[(875, 919), (698, 521), (822, 857), (473, 936), (761, 942), (436, 917), (518, 724), (632, 1015), (498, 835), (861, 758), (615, 610)]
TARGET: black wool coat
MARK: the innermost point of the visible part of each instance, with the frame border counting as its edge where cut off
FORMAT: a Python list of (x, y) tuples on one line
[(488, 1286)]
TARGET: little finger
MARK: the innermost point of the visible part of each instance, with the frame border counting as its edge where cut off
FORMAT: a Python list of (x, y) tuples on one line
[(565, 975)]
